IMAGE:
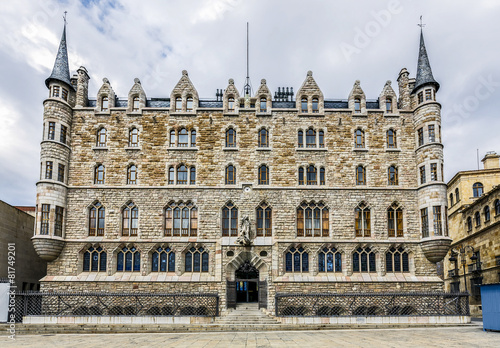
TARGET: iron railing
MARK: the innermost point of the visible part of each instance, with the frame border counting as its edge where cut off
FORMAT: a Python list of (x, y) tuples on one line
[(453, 273), (475, 267), (372, 304), (124, 304)]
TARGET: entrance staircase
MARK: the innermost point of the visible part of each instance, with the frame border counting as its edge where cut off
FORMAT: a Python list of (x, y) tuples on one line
[(246, 316)]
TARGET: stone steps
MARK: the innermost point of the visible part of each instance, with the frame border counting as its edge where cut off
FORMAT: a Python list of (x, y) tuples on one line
[(246, 315)]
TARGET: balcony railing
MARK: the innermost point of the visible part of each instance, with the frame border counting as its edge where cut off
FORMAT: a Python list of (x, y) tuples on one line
[(475, 267)]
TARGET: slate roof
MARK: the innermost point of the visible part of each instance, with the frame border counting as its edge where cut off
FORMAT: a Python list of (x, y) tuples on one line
[(424, 71), (60, 72)]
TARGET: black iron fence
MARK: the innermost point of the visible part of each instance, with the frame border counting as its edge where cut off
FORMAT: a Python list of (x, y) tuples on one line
[(128, 304), (372, 304)]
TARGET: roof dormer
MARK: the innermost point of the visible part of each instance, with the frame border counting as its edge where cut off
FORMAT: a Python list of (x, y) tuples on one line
[(230, 98), (136, 98), (105, 97), (388, 100), (309, 98), (184, 97), (357, 99)]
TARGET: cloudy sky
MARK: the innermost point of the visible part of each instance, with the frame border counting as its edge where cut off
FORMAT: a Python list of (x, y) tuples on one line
[(340, 41)]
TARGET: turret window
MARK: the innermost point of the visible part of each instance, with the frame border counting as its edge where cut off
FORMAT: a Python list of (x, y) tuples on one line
[(104, 104), (420, 97), (477, 189), (128, 260), (44, 227), (428, 94), (62, 137), (52, 131), (438, 226), (434, 175), (432, 133), (96, 220), (133, 137), (101, 137), (99, 174), (420, 134), (362, 220), (422, 175), (363, 260), (135, 104), (60, 172), (181, 219), (130, 220), (48, 169), (55, 91), (229, 220), (424, 221), (65, 94)]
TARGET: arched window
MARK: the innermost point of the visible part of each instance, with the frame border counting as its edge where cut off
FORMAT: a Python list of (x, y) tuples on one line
[(477, 189), (230, 138), (359, 142), (263, 175), (178, 104), (189, 104), (181, 219), (263, 138), (135, 104), (230, 175), (315, 105), (357, 105), (362, 220), (263, 105), (322, 176), (230, 104), (264, 220), (477, 218), (229, 220), (303, 105), (457, 195), (321, 138), (360, 175), (297, 260), (96, 219), (94, 260), (388, 105), (101, 137), (192, 176), (487, 213), (392, 174), (451, 199), (312, 220), (171, 175), (133, 137), (469, 224), (130, 220), (128, 260), (301, 176), (163, 260), (132, 175), (196, 260), (182, 178), (396, 260), (391, 139), (329, 260), (172, 137), (363, 260), (311, 138), (301, 138), (395, 221), (99, 174), (104, 103), (311, 175), (497, 207), (193, 138), (183, 138)]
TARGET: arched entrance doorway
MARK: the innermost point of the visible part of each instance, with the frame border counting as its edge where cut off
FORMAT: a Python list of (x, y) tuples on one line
[(247, 283)]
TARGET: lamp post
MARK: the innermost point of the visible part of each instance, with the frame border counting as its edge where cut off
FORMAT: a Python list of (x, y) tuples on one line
[(462, 251)]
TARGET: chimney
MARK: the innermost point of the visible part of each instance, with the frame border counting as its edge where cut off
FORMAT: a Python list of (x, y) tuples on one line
[(491, 160)]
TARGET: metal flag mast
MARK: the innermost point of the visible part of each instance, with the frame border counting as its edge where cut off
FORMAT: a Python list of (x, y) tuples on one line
[(248, 87)]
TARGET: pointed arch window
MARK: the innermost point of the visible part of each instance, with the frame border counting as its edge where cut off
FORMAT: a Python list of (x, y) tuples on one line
[(133, 137), (182, 177), (388, 105), (132, 175), (99, 174), (183, 138), (229, 220), (486, 213), (230, 175), (391, 139), (130, 220), (231, 137), (193, 138), (45, 223), (312, 220), (135, 104), (360, 175), (196, 260), (315, 105), (163, 260), (192, 176), (392, 176), (128, 260), (263, 105), (357, 105), (263, 175), (311, 138), (396, 260), (94, 260), (362, 220), (311, 175), (96, 219), (395, 221), (264, 220), (477, 189), (101, 137), (329, 260), (181, 220), (359, 142), (230, 104), (104, 103), (363, 260), (303, 105), (263, 138), (189, 104), (297, 260), (178, 104), (301, 138)]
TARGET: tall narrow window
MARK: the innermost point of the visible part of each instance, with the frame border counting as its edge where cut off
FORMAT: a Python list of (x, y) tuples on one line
[(264, 220), (451, 200), (135, 104), (94, 260), (487, 213), (311, 175), (230, 175), (301, 175), (311, 138), (132, 175), (263, 105), (396, 260), (477, 218), (497, 207), (48, 169), (424, 221), (101, 137), (133, 137), (193, 138), (329, 260), (172, 138), (363, 260), (321, 138), (428, 94), (315, 105), (58, 221), (104, 104), (434, 174), (183, 138), (388, 105), (303, 105), (297, 260), (196, 260), (63, 135), (44, 227), (230, 104), (182, 175), (357, 105), (391, 139), (422, 175), (189, 104), (322, 176), (96, 220), (432, 133), (128, 260), (477, 189), (360, 175), (438, 226), (130, 220), (52, 131), (469, 224), (192, 176), (457, 194), (420, 97), (362, 220), (230, 138), (420, 133), (163, 260), (229, 220), (359, 141), (312, 220), (392, 174), (263, 138), (181, 219), (99, 174), (171, 175), (55, 91), (395, 221), (263, 175), (64, 94), (60, 172), (301, 138), (178, 104)]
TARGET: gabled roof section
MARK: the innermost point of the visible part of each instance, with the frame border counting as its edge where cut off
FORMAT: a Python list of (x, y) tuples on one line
[(263, 89), (424, 71), (60, 72), (184, 87), (309, 87)]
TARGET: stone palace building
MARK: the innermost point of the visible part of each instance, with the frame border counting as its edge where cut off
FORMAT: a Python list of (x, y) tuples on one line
[(241, 195)]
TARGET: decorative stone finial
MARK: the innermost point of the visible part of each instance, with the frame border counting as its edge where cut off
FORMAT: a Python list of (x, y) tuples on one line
[(231, 81), (388, 83), (263, 81), (184, 73), (309, 73), (136, 80), (357, 83), (105, 80)]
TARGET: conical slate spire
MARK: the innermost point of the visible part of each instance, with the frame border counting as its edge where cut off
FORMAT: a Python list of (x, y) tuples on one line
[(60, 71), (424, 72)]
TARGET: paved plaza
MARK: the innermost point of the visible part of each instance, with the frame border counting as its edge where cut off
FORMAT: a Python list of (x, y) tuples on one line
[(465, 336)]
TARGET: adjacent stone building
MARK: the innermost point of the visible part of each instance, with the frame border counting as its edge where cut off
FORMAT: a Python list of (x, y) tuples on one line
[(241, 195), (474, 220)]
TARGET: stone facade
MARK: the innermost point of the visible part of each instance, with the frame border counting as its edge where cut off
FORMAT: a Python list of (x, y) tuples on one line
[(228, 142)]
